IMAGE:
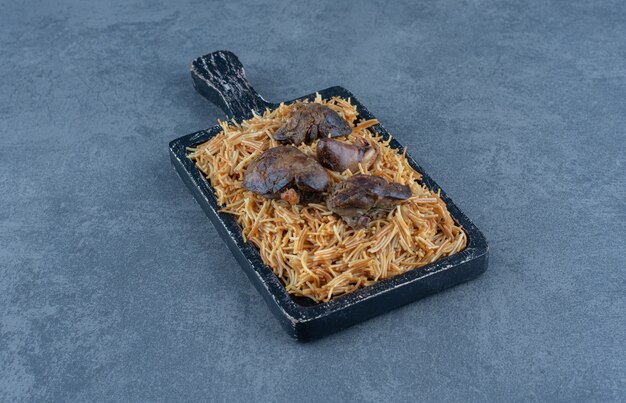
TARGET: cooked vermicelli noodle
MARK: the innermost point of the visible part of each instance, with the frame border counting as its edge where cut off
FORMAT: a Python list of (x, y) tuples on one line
[(313, 251)]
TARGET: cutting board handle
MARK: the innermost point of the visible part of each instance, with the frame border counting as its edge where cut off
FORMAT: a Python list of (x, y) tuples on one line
[(220, 78)]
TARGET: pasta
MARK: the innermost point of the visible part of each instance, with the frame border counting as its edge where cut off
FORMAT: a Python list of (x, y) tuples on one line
[(313, 251)]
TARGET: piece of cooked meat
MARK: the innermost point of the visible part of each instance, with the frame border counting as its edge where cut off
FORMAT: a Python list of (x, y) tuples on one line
[(310, 121), (285, 167), (339, 156), (291, 196), (360, 195)]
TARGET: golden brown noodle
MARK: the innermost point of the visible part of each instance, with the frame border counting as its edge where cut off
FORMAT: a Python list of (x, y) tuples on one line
[(314, 252)]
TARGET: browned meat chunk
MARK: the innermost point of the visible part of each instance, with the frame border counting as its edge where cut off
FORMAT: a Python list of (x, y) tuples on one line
[(339, 156), (311, 121), (283, 167), (360, 195), (290, 196)]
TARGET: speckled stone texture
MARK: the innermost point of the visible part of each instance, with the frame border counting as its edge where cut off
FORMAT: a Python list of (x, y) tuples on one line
[(114, 285)]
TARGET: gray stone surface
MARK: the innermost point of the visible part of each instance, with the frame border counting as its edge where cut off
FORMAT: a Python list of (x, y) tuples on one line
[(114, 285)]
